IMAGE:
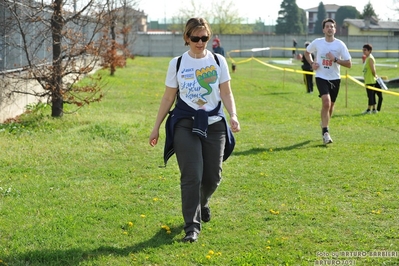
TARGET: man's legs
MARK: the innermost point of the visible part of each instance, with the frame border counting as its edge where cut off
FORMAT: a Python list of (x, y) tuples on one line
[(327, 108), (328, 90)]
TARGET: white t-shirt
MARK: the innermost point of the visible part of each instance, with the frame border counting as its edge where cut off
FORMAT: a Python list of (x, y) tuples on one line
[(198, 80), (327, 68)]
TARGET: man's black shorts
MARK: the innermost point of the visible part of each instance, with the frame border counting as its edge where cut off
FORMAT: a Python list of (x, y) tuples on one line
[(328, 87)]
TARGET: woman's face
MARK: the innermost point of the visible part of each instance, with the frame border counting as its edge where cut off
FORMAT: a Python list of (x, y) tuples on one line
[(198, 45)]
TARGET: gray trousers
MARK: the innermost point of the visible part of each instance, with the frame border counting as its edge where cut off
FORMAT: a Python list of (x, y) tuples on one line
[(200, 162)]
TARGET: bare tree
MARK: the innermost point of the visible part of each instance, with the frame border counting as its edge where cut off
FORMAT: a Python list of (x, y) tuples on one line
[(58, 43), (122, 18), (129, 17), (223, 16)]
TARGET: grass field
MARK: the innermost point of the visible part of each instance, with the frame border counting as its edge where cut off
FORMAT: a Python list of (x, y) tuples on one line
[(87, 189)]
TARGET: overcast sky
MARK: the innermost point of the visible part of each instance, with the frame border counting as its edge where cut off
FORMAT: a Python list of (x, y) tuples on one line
[(265, 10)]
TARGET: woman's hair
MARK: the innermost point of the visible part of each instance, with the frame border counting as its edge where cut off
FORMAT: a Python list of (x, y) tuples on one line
[(194, 24)]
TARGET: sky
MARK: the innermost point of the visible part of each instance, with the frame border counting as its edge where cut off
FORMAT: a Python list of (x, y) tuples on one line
[(267, 11)]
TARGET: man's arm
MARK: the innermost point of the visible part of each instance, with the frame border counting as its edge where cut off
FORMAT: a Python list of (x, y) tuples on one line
[(345, 63)]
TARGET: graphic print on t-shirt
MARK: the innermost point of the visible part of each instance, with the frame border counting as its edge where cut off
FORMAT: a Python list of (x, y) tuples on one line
[(205, 77), (195, 90)]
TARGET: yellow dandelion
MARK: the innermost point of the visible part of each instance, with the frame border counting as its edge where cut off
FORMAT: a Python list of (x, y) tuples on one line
[(167, 228), (155, 199), (274, 212), (208, 257), (219, 253), (378, 193), (142, 216), (271, 149), (168, 232), (268, 247), (211, 252), (130, 224), (124, 232)]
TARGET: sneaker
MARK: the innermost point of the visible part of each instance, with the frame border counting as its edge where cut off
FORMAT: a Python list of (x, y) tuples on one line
[(205, 214), (366, 112), (190, 237), (375, 111), (326, 138)]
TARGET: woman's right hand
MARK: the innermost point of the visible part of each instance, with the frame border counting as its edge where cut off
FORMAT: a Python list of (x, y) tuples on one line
[(153, 140)]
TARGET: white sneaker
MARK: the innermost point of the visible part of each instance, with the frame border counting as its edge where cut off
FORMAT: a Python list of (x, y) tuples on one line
[(326, 138), (366, 112), (375, 111)]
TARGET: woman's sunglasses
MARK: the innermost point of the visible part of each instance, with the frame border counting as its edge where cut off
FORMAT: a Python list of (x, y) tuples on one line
[(197, 39)]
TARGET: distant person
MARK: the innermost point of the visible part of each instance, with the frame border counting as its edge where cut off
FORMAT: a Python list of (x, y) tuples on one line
[(331, 53), (370, 76), (294, 44), (197, 130), (306, 66), (217, 45)]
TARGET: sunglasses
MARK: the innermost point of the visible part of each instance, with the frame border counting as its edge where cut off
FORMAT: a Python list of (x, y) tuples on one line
[(197, 39)]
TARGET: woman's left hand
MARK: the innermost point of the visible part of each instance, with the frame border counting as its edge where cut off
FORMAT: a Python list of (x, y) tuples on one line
[(234, 124)]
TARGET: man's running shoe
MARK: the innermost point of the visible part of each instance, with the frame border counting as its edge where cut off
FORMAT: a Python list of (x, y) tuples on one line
[(326, 138)]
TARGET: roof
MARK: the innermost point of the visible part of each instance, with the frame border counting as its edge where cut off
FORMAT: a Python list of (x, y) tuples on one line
[(372, 24), (328, 8)]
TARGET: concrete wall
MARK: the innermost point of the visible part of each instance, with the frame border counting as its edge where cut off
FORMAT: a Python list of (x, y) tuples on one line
[(171, 45), (13, 104)]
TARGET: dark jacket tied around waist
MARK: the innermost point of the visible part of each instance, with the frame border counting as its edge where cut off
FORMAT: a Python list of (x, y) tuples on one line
[(200, 126)]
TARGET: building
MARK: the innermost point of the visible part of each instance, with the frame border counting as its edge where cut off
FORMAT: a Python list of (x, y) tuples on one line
[(370, 27), (331, 10)]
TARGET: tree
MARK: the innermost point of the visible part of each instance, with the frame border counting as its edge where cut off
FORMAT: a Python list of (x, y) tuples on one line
[(368, 11), (321, 15), (128, 19), (223, 17), (343, 13), (120, 20), (58, 45), (289, 19), (303, 20)]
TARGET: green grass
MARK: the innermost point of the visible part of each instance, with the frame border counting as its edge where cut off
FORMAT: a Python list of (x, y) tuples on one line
[(87, 189)]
